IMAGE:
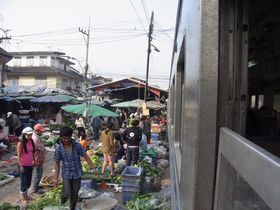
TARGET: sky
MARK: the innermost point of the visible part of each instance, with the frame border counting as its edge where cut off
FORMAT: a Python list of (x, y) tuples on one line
[(118, 33)]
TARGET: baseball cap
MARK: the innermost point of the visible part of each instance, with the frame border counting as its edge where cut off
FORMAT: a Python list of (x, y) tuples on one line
[(39, 127), (27, 130), (9, 113)]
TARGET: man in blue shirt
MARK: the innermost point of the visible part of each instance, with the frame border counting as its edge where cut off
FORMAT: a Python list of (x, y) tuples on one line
[(69, 152)]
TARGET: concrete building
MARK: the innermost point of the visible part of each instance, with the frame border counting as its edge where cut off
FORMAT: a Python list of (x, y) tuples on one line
[(46, 68)]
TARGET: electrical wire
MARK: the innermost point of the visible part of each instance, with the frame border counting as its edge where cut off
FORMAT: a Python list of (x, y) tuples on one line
[(138, 16)]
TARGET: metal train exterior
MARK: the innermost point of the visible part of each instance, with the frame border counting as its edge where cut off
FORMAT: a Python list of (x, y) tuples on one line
[(213, 164)]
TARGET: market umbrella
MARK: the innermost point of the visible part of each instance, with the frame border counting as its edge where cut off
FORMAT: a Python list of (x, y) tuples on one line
[(89, 110), (53, 99), (8, 98), (137, 103)]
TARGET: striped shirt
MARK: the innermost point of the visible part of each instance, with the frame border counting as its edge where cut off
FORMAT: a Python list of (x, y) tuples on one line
[(71, 164)]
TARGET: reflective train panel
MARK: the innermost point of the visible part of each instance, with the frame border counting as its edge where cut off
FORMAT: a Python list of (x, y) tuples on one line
[(224, 105)]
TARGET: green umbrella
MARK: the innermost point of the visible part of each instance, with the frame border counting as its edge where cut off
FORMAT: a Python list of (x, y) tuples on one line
[(89, 110), (66, 97)]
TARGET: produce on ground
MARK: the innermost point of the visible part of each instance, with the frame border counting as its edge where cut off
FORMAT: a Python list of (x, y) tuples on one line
[(3, 177), (115, 179), (140, 202), (150, 170), (7, 206), (149, 201), (51, 198), (97, 161)]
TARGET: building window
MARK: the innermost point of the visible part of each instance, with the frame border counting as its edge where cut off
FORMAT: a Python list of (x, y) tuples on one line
[(64, 84), (13, 81), (43, 61), (17, 61), (30, 61), (52, 61), (41, 80)]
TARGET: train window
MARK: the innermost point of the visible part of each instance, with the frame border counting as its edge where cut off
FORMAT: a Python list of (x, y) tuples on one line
[(260, 101), (263, 122), (253, 101)]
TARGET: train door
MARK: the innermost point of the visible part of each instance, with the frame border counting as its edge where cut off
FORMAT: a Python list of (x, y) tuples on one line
[(248, 103), (233, 60)]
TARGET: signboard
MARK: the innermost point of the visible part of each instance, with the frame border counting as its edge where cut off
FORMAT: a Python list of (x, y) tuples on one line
[(146, 112), (144, 105)]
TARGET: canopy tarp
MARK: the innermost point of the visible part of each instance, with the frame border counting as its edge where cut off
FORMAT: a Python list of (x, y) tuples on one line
[(54, 99), (138, 103), (8, 98), (89, 110)]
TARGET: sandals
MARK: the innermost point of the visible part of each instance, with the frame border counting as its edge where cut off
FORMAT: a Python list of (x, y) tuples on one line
[(25, 201)]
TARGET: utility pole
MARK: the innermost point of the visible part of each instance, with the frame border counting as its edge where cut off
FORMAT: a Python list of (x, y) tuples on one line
[(148, 55), (87, 34), (4, 37)]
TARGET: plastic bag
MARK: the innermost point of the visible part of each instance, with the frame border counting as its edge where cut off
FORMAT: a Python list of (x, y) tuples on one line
[(106, 195), (88, 193), (162, 163)]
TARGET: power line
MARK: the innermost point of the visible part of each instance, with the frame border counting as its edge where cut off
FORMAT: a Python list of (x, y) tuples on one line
[(163, 31), (145, 10), (137, 15), (114, 39)]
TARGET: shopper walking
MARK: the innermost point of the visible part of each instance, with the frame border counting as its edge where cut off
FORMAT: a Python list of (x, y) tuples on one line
[(108, 148), (39, 157), (80, 125), (25, 153), (69, 152)]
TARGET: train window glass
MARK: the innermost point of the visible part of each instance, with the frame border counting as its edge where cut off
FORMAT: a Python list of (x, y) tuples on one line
[(182, 107), (276, 102), (234, 192), (260, 101), (263, 122), (171, 103), (253, 101)]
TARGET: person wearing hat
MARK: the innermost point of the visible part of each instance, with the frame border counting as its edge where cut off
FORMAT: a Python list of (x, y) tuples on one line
[(14, 124), (25, 153), (39, 157)]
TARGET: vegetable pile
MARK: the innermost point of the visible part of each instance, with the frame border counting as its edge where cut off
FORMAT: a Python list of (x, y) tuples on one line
[(149, 201), (7, 206), (150, 170), (3, 177), (140, 202), (97, 161), (52, 198)]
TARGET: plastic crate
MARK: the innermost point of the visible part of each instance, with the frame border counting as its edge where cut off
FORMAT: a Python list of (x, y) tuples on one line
[(131, 171), (132, 175), (126, 196), (131, 188), (155, 136)]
